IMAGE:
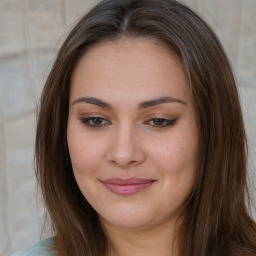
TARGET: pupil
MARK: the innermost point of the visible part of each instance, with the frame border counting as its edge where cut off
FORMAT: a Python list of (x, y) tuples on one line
[(158, 121), (97, 121)]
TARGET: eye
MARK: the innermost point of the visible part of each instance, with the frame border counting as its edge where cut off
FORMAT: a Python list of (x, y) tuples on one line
[(95, 122), (161, 122)]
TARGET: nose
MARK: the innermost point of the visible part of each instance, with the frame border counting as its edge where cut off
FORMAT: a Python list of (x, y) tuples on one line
[(126, 148)]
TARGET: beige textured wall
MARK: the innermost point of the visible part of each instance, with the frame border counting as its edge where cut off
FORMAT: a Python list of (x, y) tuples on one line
[(30, 33)]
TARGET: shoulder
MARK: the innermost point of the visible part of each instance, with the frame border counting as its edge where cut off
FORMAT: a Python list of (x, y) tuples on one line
[(42, 248)]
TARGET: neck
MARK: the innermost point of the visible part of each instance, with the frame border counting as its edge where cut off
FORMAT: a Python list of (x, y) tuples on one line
[(152, 241)]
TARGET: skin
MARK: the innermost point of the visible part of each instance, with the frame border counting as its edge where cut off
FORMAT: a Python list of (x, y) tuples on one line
[(128, 141)]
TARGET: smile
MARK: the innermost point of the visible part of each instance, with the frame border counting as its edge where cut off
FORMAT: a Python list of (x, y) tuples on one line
[(127, 186)]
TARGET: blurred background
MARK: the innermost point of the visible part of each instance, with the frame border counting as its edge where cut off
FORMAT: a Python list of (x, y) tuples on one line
[(31, 31)]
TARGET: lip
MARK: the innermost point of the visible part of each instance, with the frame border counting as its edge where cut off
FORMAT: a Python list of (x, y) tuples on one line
[(127, 186)]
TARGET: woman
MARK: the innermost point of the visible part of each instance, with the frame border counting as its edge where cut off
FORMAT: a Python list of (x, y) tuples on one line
[(141, 147)]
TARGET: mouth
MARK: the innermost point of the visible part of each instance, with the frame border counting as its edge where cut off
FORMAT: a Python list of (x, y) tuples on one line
[(127, 186)]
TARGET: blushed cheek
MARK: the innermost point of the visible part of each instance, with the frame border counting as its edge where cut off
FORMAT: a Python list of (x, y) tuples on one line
[(176, 157), (171, 153), (85, 156)]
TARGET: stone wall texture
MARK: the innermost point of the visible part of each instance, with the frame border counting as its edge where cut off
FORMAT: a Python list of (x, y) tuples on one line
[(30, 33)]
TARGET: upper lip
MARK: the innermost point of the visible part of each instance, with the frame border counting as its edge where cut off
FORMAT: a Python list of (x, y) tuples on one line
[(120, 181)]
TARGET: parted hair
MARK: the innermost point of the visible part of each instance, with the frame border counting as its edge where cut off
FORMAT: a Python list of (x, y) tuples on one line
[(215, 219)]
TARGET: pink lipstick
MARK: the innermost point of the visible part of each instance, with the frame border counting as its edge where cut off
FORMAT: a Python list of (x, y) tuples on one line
[(127, 186)]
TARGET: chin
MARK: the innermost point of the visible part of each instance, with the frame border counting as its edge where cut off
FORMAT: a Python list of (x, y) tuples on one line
[(128, 219)]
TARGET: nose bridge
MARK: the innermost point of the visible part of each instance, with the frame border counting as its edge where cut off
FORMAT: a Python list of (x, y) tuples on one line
[(126, 149)]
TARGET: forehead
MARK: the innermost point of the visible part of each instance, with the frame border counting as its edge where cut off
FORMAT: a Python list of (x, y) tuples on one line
[(129, 67)]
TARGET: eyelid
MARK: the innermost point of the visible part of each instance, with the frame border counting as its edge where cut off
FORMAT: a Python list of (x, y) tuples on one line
[(86, 120), (168, 122)]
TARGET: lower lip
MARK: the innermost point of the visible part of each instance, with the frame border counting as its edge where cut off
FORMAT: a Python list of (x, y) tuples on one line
[(127, 189)]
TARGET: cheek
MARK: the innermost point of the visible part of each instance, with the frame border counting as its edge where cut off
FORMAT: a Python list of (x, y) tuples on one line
[(85, 153), (176, 158), (176, 151)]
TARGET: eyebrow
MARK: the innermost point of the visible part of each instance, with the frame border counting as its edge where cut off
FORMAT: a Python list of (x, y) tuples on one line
[(142, 105)]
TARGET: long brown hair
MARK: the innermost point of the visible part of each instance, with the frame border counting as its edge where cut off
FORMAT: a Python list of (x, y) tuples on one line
[(215, 220)]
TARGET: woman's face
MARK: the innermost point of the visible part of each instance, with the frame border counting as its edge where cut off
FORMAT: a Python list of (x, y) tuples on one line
[(132, 133)]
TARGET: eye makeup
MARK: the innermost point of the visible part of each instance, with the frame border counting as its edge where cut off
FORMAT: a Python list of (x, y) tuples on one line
[(100, 122)]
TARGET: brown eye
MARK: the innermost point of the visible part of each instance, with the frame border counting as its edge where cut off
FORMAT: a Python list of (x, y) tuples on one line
[(161, 122), (95, 122), (158, 121)]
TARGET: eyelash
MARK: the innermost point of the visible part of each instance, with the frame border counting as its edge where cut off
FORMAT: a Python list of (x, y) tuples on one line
[(86, 121)]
